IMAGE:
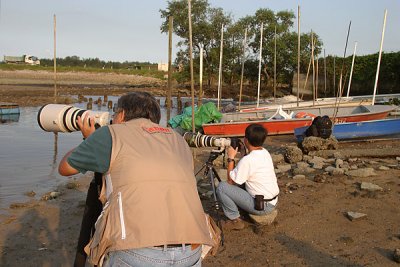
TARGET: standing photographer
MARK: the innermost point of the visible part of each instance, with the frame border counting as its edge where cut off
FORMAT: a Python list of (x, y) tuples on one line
[(256, 171), (151, 209)]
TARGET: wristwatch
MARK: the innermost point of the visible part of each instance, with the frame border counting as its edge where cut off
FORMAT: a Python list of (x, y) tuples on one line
[(230, 160)]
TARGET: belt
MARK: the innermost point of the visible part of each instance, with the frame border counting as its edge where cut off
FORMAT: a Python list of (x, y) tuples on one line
[(193, 246)]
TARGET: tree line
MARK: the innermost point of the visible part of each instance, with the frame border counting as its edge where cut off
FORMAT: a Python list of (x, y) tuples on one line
[(207, 22)]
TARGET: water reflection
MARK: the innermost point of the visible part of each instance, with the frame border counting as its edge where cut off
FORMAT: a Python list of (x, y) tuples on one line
[(8, 118)]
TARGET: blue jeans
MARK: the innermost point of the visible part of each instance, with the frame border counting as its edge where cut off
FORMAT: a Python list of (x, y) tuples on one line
[(232, 197), (155, 256)]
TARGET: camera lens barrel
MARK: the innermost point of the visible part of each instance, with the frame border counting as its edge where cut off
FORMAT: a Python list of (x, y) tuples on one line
[(201, 140), (63, 118)]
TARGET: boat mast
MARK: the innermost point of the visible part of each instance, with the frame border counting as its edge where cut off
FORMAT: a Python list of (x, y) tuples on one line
[(298, 54), (191, 61), (243, 59), (313, 67), (220, 65), (259, 65), (379, 58), (351, 71), (275, 66)]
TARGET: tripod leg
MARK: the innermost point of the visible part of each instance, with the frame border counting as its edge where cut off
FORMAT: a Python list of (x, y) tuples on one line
[(211, 172)]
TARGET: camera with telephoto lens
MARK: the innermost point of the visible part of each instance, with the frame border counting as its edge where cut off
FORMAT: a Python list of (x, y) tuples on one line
[(63, 118)]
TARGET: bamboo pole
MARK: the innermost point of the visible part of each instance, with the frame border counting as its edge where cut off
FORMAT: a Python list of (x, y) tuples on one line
[(351, 71), (379, 58), (313, 67), (220, 67), (169, 93), (242, 72), (259, 65), (275, 66), (298, 54), (334, 75), (316, 79), (191, 61), (324, 74), (199, 102), (55, 58)]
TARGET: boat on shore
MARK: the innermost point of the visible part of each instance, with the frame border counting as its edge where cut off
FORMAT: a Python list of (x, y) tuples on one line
[(8, 108), (359, 130), (284, 121)]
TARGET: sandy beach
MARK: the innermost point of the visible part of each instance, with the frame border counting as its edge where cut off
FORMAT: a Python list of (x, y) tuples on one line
[(313, 226)]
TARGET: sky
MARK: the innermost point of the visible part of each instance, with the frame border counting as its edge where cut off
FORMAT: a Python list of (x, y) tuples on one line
[(129, 30)]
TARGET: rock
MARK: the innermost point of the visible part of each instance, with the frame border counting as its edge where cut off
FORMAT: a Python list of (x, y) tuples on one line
[(362, 172), (277, 158), (318, 165), (283, 168), (302, 164), (339, 163), (293, 154), (55, 194), (370, 187), (373, 162), (353, 167), (313, 143), (355, 215), (319, 178), (306, 170), (396, 255), (50, 195), (317, 162), (266, 219), (329, 161), (338, 155), (334, 171), (352, 159), (299, 176), (307, 158), (383, 168), (398, 158), (30, 194), (18, 205), (72, 185)]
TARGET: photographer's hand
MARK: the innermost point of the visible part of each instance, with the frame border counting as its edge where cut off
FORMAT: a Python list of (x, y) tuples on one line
[(86, 125), (232, 152)]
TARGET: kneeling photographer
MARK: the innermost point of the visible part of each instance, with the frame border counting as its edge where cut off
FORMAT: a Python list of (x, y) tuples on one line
[(256, 171), (151, 208)]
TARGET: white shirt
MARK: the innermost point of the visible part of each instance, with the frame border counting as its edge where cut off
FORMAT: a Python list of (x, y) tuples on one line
[(256, 170)]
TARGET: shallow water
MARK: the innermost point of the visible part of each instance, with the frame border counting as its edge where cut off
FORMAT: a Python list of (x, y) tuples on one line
[(29, 156)]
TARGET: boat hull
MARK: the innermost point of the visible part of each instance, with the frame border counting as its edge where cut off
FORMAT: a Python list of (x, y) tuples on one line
[(287, 126), (8, 108), (360, 130)]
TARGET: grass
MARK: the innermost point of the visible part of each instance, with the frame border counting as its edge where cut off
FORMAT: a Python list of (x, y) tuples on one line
[(147, 73)]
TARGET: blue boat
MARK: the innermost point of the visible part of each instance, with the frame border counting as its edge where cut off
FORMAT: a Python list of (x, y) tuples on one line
[(8, 108), (359, 130)]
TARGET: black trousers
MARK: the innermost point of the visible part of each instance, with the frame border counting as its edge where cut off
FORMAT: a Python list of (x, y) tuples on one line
[(93, 208)]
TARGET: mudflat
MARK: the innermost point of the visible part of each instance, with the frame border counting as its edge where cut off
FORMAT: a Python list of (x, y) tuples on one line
[(314, 226)]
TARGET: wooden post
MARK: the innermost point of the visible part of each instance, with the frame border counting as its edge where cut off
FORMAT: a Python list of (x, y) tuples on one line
[(316, 80), (259, 65), (298, 54), (334, 75), (55, 59), (242, 72), (379, 58), (324, 74), (199, 102), (275, 66), (191, 61), (220, 67), (313, 67), (169, 92)]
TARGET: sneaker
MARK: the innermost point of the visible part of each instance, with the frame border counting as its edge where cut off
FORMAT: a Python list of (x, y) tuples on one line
[(236, 224)]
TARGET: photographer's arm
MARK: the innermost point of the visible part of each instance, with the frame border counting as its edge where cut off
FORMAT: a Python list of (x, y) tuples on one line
[(231, 163), (64, 168)]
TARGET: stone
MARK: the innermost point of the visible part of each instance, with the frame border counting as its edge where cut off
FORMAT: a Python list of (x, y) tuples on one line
[(313, 143), (266, 219), (338, 155), (398, 158), (317, 165), (283, 168), (299, 176), (362, 172), (339, 163), (334, 171), (353, 167), (352, 159), (383, 168), (355, 215), (302, 164), (396, 255), (277, 158), (293, 154), (306, 170), (373, 162), (55, 194), (319, 178), (370, 187)]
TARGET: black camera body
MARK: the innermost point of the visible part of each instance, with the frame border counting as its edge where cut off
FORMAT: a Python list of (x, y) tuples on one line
[(237, 143)]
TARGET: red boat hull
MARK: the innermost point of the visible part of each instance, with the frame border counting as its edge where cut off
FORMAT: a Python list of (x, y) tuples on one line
[(276, 127)]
